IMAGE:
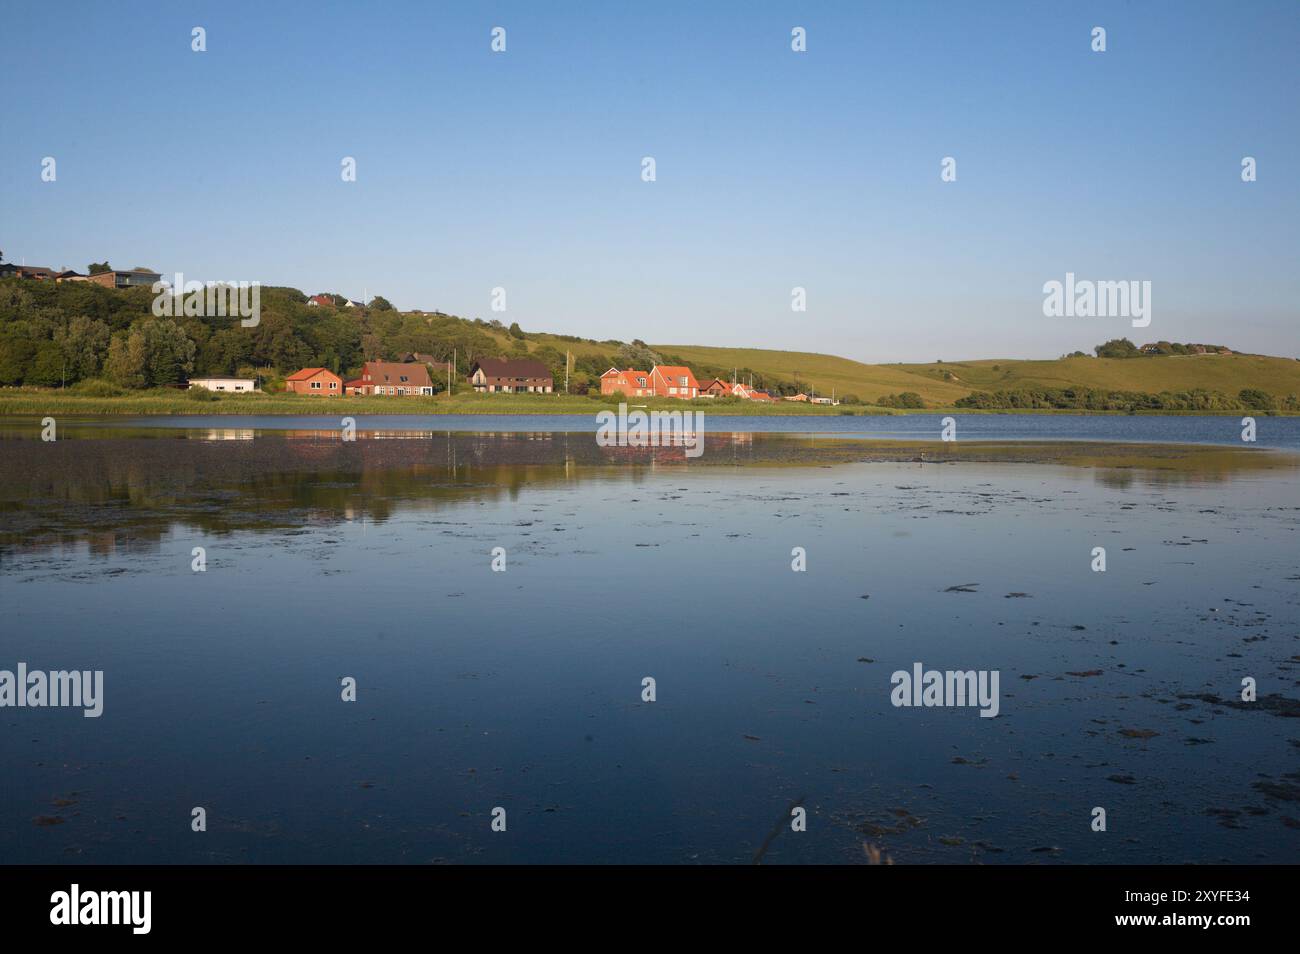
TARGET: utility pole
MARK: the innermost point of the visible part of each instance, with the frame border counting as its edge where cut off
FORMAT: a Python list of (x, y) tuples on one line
[(566, 372)]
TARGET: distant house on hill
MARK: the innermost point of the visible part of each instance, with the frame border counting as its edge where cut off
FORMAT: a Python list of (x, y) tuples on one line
[(629, 383), (318, 381), (511, 375), (796, 397), (320, 301), (129, 279), (393, 378), (419, 357), (715, 389), (39, 272), (673, 381)]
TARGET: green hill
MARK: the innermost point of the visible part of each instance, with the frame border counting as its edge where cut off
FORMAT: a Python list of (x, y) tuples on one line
[(944, 383)]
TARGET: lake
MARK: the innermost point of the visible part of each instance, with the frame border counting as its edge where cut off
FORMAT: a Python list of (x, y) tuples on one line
[(521, 687)]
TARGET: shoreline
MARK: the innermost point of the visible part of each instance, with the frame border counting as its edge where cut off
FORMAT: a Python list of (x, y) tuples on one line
[(21, 404)]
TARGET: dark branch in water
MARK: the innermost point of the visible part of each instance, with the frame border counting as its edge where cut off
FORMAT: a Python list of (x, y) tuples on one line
[(776, 829)]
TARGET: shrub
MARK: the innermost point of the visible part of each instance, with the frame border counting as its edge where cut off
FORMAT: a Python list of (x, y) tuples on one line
[(908, 399), (97, 387), (1256, 400), (199, 393)]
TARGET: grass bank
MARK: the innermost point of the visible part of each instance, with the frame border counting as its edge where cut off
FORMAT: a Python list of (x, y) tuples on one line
[(38, 402)]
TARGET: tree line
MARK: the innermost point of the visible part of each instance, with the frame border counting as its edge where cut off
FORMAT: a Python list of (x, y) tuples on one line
[(55, 334)]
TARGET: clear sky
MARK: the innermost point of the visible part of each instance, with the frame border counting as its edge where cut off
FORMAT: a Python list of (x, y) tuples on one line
[(775, 169)]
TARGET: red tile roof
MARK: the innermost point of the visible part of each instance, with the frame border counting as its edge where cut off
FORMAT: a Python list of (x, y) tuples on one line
[(304, 374)]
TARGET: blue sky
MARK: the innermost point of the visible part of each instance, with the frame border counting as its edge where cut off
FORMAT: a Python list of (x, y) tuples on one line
[(775, 169)]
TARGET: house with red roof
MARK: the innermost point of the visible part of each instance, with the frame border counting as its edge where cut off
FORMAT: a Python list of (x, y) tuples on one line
[(629, 383), (673, 381), (393, 378), (321, 382), (715, 389)]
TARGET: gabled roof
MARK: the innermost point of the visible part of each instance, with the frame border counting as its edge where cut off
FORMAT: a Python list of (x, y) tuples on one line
[(675, 371), (306, 373), (391, 373), (512, 368)]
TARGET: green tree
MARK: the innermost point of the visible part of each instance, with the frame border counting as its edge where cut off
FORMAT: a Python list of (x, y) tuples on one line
[(170, 352), (84, 344), (1117, 348), (49, 367), (16, 354), (97, 268), (126, 361)]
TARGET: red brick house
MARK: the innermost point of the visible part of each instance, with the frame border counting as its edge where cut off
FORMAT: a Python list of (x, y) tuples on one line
[(629, 383), (318, 381), (394, 379), (511, 375), (715, 388), (672, 381)]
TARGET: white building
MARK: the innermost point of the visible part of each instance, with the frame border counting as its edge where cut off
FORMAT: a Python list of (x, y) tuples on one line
[(224, 384)]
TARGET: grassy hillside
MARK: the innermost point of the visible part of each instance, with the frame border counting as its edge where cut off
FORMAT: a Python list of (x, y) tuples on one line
[(1227, 373), (824, 372), (941, 384)]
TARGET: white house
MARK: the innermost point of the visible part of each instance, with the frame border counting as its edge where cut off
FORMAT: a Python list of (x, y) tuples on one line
[(224, 384)]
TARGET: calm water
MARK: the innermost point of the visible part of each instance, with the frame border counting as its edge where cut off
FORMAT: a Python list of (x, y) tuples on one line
[(522, 689), (1281, 432)]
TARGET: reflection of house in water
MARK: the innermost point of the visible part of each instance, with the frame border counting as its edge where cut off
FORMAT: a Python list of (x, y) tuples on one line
[(229, 434)]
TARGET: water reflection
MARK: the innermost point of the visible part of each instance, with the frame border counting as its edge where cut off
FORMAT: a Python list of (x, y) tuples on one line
[(124, 490)]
